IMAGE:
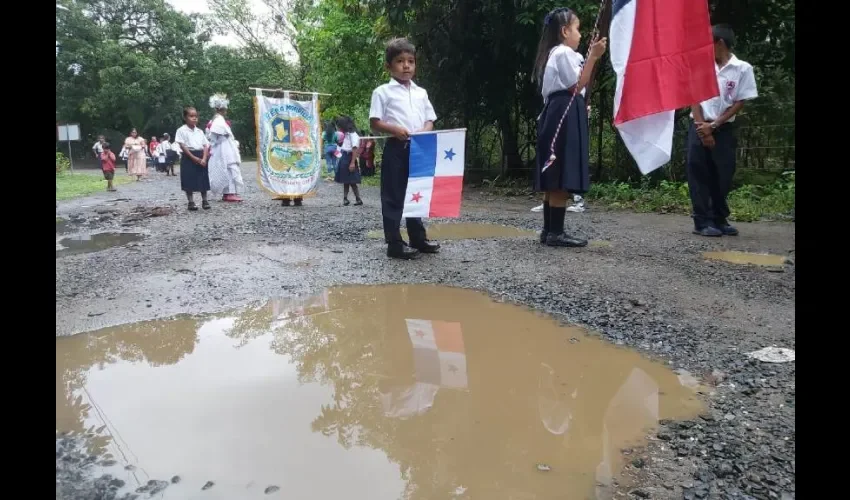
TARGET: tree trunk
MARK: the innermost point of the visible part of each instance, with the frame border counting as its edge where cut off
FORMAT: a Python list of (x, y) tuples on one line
[(511, 160)]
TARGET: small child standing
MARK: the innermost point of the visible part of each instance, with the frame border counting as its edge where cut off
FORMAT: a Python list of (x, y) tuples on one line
[(561, 80), (347, 172), (165, 154), (107, 164), (400, 108), (98, 148), (194, 176)]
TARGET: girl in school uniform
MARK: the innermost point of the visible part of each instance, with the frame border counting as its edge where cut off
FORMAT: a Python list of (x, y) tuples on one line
[(194, 176), (560, 73), (347, 172)]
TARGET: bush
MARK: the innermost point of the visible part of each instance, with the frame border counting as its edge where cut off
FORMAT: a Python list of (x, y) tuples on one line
[(63, 164)]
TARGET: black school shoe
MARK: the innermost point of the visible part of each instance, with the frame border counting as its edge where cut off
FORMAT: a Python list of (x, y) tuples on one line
[(299, 202), (564, 240), (285, 202), (710, 231), (727, 229), (543, 235), (427, 247), (401, 251)]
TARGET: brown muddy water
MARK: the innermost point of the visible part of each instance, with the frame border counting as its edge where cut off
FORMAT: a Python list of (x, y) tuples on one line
[(466, 231), (86, 243), (747, 258), (372, 393)]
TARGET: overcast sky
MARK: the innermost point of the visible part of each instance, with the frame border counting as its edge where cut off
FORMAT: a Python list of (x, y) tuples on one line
[(200, 7)]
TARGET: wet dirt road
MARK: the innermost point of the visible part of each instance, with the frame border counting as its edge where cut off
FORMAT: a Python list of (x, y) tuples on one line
[(645, 284)]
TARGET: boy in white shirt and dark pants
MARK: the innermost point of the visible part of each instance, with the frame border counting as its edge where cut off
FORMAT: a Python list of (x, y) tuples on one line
[(712, 141), (400, 108)]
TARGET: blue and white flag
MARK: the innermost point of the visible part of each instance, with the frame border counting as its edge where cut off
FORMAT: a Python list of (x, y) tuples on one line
[(435, 183)]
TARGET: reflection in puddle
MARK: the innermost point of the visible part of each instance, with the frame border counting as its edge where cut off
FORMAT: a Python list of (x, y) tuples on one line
[(757, 259), (363, 393), (87, 243), (466, 231)]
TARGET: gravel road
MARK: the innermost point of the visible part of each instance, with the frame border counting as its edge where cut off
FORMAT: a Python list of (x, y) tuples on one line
[(643, 284)]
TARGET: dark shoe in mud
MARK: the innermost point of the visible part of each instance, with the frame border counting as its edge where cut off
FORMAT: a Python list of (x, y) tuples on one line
[(205, 205), (285, 202), (358, 203), (345, 202), (193, 207), (427, 247), (728, 230), (299, 202), (564, 240), (710, 231), (543, 235), (401, 251)]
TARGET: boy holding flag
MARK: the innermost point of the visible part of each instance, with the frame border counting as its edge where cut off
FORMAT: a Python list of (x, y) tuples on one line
[(400, 108)]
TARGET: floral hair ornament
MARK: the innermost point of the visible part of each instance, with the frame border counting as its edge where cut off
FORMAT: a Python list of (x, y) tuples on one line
[(219, 101), (551, 15)]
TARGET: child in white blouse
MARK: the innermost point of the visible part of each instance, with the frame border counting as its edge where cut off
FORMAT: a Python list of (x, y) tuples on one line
[(562, 128)]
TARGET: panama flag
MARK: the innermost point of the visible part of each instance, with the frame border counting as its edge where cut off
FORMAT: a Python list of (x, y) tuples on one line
[(663, 54), (435, 183), (438, 353)]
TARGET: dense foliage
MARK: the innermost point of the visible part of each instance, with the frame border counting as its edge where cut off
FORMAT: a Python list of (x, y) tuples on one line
[(123, 64)]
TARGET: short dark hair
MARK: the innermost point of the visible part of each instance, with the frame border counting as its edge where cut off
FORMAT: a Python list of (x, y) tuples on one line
[(346, 123), (187, 109), (723, 32), (398, 46), (106, 146)]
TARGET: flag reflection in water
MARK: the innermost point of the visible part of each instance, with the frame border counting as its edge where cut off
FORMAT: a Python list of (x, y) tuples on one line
[(439, 361)]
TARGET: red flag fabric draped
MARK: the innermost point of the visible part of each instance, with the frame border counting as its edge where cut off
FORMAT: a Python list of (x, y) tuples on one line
[(663, 54)]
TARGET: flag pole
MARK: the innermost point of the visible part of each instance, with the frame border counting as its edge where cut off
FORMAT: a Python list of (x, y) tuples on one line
[(415, 133), (290, 91)]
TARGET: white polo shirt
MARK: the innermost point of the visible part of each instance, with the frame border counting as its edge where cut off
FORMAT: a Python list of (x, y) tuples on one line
[(351, 141), (396, 104), (736, 82), (193, 138), (562, 70)]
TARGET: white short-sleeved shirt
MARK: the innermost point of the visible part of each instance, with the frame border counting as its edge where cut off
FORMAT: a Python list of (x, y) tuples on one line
[(163, 147), (397, 104), (350, 142), (563, 68), (192, 138), (737, 82)]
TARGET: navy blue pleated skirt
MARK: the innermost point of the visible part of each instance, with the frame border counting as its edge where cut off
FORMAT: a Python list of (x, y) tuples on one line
[(193, 177), (571, 170), (343, 176)]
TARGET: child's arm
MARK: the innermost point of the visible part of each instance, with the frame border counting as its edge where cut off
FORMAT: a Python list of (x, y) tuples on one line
[(206, 155), (376, 111), (597, 48), (189, 153), (396, 131), (430, 115)]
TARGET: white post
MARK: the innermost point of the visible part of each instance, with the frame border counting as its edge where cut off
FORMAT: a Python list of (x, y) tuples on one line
[(70, 155)]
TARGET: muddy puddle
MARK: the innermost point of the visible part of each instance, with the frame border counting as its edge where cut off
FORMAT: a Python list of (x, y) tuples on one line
[(86, 243), (369, 393), (747, 258), (466, 231)]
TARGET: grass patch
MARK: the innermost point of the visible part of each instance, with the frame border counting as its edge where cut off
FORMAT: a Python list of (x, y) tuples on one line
[(73, 185), (748, 203), (372, 180)]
